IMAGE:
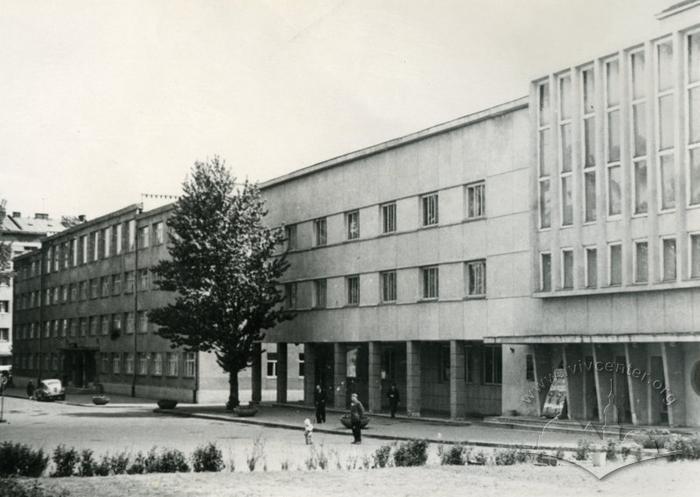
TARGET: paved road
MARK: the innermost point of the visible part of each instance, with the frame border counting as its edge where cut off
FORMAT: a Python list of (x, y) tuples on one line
[(136, 428)]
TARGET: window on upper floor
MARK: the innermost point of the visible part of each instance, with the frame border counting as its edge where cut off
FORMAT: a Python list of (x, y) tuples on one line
[(144, 236), (290, 235), (476, 200), (615, 264), (545, 272), (388, 282), (320, 289), (591, 267), (352, 284), (695, 255), (431, 283), (641, 261), (669, 259), (429, 205), (271, 365), (189, 364), (4, 306), (158, 233), (352, 225), (290, 295), (320, 237), (388, 216), (567, 269), (475, 278)]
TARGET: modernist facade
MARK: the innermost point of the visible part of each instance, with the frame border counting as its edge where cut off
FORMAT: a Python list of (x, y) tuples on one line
[(81, 305), (22, 233)]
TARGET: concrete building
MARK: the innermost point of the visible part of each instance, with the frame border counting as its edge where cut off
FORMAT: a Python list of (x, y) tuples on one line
[(21, 233), (81, 305), (615, 235)]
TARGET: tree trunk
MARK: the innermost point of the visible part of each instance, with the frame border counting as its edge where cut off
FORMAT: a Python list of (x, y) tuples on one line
[(233, 400)]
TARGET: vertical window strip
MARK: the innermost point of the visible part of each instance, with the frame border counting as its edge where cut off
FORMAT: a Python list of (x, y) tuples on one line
[(565, 151), (544, 158), (664, 77), (588, 140), (693, 113), (612, 136)]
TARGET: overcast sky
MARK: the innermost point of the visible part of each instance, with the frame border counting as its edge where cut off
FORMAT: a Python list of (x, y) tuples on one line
[(101, 101)]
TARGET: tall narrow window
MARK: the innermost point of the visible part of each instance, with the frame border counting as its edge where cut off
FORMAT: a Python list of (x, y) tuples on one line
[(640, 187), (546, 272), (158, 233), (476, 200), (612, 110), (638, 106), (352, 225), (430, 279), (492, 365), (695, 255), (131, 234), (320, 289), (118, 238), (615, 264), (641, 262), (352, 284), (320, 232), (429, 205), (667, 178), (290, 293), (589, 145), (389, 218), (388, 279), (544, 151), (567, 269), (476, 278), (290, 234), (665, 101), (693, 111), (591, 267), (669, 259)]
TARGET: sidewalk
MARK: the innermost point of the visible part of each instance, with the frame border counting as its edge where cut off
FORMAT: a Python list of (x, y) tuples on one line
[(383, 427), (85, 399)]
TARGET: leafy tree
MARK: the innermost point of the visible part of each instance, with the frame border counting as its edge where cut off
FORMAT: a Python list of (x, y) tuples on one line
[(224, 269)]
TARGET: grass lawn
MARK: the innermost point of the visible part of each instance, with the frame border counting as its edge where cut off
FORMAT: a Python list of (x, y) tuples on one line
[(649, 478)]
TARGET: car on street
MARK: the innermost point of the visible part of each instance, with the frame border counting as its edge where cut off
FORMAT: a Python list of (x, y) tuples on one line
[(50, 390)]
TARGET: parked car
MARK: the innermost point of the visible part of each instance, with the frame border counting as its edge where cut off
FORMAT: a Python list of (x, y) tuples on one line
[(50, 390)]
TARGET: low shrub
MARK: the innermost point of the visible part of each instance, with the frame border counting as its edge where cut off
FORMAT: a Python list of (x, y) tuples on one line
[(102, 467), (611, 450), (683, 447), (652, 439), (207, 458), (454, 455), (411, 453), (137, 466), (381, 456), (477, 458), (21, 460), (12, 487), (65, 460), (505, 457), (167, 461), (86, 466), (118, 463), (582, 450)]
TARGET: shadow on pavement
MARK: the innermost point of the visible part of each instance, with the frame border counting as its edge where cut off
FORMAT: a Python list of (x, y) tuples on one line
[(110, 414)]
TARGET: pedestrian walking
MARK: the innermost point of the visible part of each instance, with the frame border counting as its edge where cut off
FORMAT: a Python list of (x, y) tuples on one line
[(30, 389), (308, 431), (357, 412), (393, 399), (320, 403)]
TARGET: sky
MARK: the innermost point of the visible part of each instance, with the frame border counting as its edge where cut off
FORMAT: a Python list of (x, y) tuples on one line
[(103, 101)]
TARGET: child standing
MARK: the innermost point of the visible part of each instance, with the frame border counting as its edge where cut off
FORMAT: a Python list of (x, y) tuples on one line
[(308, 430)]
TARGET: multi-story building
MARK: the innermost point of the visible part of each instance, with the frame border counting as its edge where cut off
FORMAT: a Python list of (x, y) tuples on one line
[(81, 304), (615, 235), (21, 234)]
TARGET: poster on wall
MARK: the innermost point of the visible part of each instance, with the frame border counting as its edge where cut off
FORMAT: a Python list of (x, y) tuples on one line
[(556, 397), (351, 363)]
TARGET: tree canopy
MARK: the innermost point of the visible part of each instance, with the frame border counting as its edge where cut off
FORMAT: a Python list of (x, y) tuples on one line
[(224, 269)]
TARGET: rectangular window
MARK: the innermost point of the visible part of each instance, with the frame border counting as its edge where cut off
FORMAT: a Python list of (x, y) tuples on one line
[(172, 363), (83, 327), (320, 292), (106, 241), (476, 278), (189, 364), (389, 218), (492, 371), (157, 368), (142, 364), (476, 200), (105, 325), (129, 363), (694, 114), (158, 233), (637, 60), (94, 325), (4, 306), (565, 107), (116, 363), (545, 205), (352, 284), (589, 142), (388, 279), (290, 294), (591, 267), (84, 249), (320, 232), (640, 187), (300, 362), (94, 288), (545, 153), (612, 70), (116, 322), (106, 290), (131, 234), (118, 238), (566, 149), (590, 196), (352, 225), (430, 278), (665, 72), (4, 335), (143, 280), (74, 251), (567, 201), (290, 235), (615, 266), (529, 368), (129, 281), (694, 173), (430, 209), (668, 182), (106, 366), (641, 262), (142, 322), (588, 91), (614, 136), (130, 324), (95, 246), (567, 266), (669, 259), (543, 104), (116, 284), (271, 365), (639, 129), (695, 255), (666, 122), (546, 272), (144, 236), (614, 190)]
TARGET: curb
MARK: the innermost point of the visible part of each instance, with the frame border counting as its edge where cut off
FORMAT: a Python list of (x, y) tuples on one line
[(330, 431)]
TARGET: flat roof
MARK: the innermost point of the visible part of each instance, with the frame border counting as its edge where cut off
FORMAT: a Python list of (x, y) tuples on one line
[(460, 122)]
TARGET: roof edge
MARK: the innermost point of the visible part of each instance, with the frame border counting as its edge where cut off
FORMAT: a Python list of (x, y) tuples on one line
[(677, 8), (437, 129)]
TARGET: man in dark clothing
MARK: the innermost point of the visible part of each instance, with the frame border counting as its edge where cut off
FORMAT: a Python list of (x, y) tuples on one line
[(30, 389), (357, 412), (320, 403), (393, 399)]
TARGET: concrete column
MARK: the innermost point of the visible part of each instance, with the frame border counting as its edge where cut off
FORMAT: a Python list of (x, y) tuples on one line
[(674, 394), (635, 355), (458, 389), (282, 372), (310, 379), (575, 370), (604, 367), (256, 374), (339, 375), (413, 379), (375, 377), (543, 373)]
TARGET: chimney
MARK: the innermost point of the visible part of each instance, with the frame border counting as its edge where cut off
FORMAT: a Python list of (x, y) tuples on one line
[(16, 214), (41, 215)]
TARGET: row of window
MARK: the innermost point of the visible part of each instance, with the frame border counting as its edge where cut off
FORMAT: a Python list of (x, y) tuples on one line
[(97, 245), (640, 263), (106, 286), (147, 363), (105, 324), (474, 277), (490, 372), (475, 199), (555, 122), (271, 365)]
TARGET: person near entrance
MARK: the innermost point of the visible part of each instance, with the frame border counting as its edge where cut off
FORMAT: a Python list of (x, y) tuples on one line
[(320, 404), (393, 399), (357, 412)]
